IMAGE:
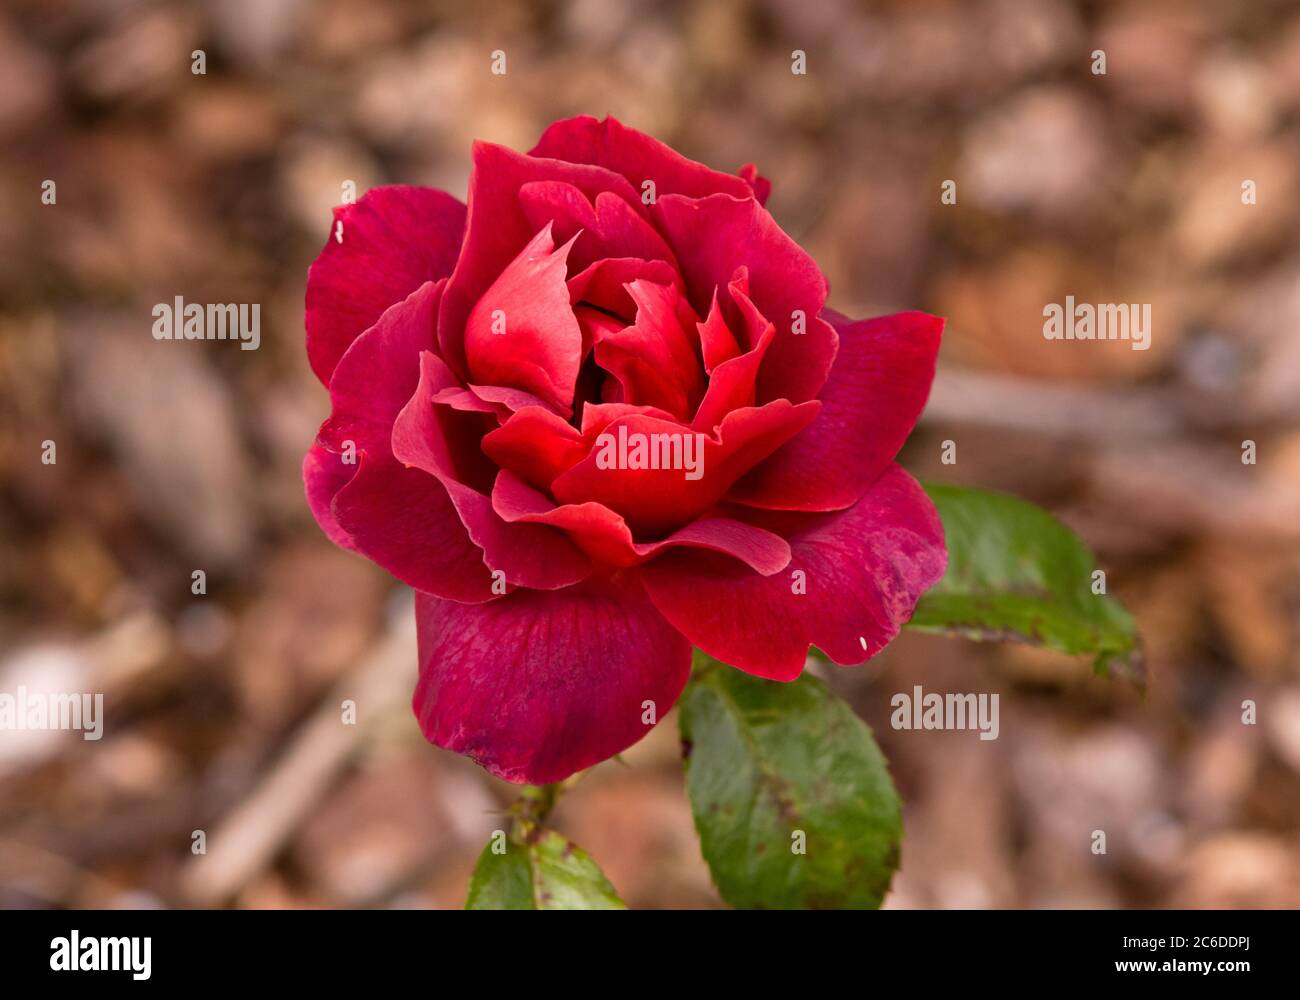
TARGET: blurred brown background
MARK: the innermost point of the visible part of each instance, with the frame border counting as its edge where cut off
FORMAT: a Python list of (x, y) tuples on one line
[(223, 710)]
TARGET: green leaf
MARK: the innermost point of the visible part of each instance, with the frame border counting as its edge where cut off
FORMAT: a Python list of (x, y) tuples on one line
[(548, 873), (1016, 572), (768, 761)]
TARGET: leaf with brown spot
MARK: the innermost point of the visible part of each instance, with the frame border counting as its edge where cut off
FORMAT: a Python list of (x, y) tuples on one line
[(769, 759)]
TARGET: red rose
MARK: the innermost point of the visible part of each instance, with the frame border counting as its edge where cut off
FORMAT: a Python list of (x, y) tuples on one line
[(598, 416)]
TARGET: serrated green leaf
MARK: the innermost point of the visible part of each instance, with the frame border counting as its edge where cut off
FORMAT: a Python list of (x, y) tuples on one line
[(1016, 572), (549, 873), (768, 762)]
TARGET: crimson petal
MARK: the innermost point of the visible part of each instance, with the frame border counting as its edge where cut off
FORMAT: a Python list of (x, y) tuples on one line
[(605, 536), (714, 236), (636, 156), (538, 685), (522, 333), (654, 501), (876, 391), (497, 229), (863, 570), (403, 519), (394, 239), (529, 555)]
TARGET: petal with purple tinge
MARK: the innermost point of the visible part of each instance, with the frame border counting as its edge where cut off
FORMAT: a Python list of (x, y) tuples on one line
[(379, 250), (403, 519), (377, 374), (538, 685), (863, 570), (323, 475)]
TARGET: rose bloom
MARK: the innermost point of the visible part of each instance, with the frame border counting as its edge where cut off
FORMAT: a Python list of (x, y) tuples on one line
[(480, 360)]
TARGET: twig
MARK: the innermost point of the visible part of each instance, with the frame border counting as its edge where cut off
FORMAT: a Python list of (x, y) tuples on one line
[(249, 838)]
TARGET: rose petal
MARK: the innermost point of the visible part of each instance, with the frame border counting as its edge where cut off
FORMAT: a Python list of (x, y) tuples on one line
[(522, 333), (608, 228), (497, 229), (864, 569), (625, 233), (655, 360), (537, 444), (605, 536), (717, 342), (403, 520), (761, 186), (636, 156), (511, 399), (656, 501), (394, 239), (377, 374), (528, 555), (714, 236), (470, 401), (597, 416), (595, 326), (538, 685), (733, 383), (876, 391), (603, 284), (323, 475), (399, 518)]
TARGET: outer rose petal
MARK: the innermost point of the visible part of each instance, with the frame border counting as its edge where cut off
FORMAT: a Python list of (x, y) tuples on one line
[(714, 236), (761, 185), (323, 475), (377, 374), (540, 684), (394, 240), (876, 391), (636, 156), (865, 568), (403, 520), (400, 518)]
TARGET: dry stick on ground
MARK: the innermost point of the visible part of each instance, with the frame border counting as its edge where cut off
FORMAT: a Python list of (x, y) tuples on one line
[(1012, 402), (249, 838), (1145, 447), (1099, 412), (52, 877)]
